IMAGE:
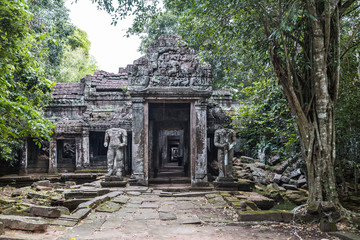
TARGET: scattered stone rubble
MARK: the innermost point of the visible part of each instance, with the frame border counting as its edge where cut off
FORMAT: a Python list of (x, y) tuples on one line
[(284, 182)]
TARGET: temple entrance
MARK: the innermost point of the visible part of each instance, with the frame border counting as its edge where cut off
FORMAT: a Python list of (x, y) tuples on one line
[(169, 142)]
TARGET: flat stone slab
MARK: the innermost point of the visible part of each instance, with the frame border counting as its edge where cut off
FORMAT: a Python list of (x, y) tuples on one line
[(345, 235), (81, 213), (232, 186), (61, 222), (23, 223), (109, 207), (140, 189), (133, 193), (167, 216), (190, 194), (40, 211), (113, 183), (149, 205), (261, 201), (258, 216), (189, 220), (121, 199)]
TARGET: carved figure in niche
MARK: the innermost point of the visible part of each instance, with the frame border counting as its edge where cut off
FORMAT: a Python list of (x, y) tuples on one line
[(225, 140), (116, 141)]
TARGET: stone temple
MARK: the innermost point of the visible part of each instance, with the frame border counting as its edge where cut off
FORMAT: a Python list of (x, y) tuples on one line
[(165, 102)]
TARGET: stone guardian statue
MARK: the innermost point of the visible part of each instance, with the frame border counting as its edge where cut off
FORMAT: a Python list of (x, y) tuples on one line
[(116, 141), (225, 140)]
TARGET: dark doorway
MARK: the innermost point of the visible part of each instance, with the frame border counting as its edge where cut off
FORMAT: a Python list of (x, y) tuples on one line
[(97, 150), (66, 155), (38, 158), (169, 141)]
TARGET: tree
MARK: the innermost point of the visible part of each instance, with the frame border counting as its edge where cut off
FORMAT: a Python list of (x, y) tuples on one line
[(76, 61), (23, 89), (304, 41), (50, 19)]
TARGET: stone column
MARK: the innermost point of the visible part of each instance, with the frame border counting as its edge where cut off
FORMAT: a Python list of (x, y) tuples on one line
[(53, 156), (200, 165), (24, 158), (78, 154), (85, 149), (138, 141)]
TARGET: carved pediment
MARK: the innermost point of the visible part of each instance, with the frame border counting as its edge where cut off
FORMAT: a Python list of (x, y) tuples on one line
[(169, 63)]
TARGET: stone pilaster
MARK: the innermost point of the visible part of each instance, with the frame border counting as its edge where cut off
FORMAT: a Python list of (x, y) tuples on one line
[(53, 156), (138, 138), (24, 158), (200, 164), (85, 149), (79, 153)]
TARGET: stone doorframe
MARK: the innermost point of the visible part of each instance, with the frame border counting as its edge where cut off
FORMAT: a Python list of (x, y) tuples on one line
[(198, 138)]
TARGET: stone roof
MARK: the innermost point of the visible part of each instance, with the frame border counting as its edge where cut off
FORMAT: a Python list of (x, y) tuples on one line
[(71, 90)]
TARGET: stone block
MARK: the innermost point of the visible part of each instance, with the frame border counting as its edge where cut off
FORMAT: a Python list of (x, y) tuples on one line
[(72, 204), (17, 193), (277, 178), (301, 182), (81, 213), (121, 199), (41, 211), (2, 231), (68, 184), (23, 223), (294, 174), (113, 184), (37, 195), (290, 187), (109, 207), (261, 216), (44, 183), (326, 226)]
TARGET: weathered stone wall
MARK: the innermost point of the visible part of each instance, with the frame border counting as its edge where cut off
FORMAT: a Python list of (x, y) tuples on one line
[(170, 71)]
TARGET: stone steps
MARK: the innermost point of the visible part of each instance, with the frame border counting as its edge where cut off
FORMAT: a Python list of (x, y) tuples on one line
[(169, 180)]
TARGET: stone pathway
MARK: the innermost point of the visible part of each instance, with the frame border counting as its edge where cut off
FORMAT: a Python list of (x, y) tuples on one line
[(149, 215)]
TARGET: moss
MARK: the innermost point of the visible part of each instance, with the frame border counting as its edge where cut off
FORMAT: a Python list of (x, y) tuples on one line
[(284, 206)]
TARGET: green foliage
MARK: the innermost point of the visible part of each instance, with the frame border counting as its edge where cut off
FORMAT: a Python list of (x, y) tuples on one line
[(51, 21), (264, 121), (79, 40), (75, 65), (23, 87)]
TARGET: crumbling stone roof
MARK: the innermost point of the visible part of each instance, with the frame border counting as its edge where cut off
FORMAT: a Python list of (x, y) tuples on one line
[(72, 90)]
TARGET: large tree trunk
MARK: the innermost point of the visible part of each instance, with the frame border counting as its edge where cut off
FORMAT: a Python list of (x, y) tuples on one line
[(320, 152), (312, 100)]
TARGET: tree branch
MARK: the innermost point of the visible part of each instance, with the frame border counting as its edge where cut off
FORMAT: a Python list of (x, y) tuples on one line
[(347, 46)]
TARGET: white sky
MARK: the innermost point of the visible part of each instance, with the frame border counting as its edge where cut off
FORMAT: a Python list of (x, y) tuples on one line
[(108, 44)]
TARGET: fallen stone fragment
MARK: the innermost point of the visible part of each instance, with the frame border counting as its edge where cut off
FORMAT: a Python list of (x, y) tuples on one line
[(72, 204), (61, 222), (41, 211), (17, 193), (259, 216), (109, 207), (44, 183), (167, 216), (189, 220), (190, 194), (289, 187), (1, 228), (326, 226), (69, 184), (121, 199), (37, 195), (133, 193), (23, 223)]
